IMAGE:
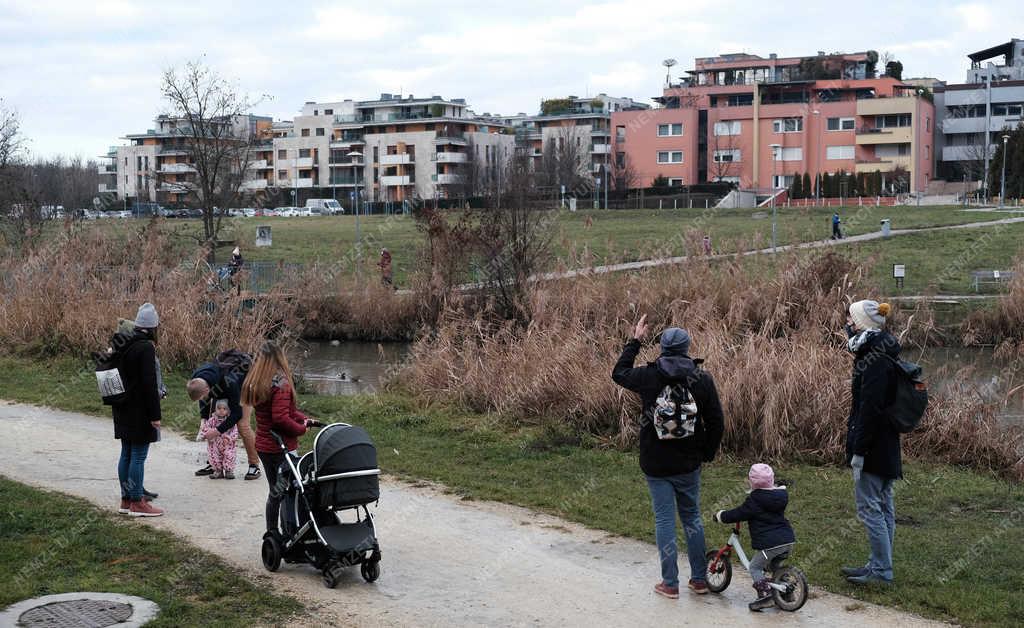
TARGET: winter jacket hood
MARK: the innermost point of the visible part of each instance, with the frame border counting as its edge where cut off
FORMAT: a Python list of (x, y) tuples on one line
[(676, 367)]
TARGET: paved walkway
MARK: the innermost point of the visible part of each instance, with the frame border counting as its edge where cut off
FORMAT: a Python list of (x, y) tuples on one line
[(446, 561)]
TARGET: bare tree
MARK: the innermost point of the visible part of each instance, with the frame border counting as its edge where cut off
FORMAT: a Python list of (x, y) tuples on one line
[(624, 176), (722, 164), (565, 161), (213, 120)]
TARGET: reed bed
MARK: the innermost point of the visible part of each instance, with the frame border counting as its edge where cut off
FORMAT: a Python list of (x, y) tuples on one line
[(775, 348)]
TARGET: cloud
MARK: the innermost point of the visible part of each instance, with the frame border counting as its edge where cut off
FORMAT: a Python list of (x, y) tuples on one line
[(977, 17)]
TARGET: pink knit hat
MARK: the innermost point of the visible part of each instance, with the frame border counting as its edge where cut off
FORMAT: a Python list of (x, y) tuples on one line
[(761, 476)]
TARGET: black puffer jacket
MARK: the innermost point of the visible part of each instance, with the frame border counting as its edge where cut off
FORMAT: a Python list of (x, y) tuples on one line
[(661, 458), (224, 384), (765, 510), (138, 370), (873, 388)]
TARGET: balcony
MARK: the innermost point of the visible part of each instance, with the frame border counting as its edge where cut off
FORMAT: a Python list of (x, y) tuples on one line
[(967, 153), (395, 160), (347, 140), (176, 168), (449, 157), (255, 184), (103, 170), (106, 187), (883, 164), (601, 149), (259, 164), (600, 133), (346, 161), (395, 180), (343, 180), (448, 179), (455, 139), (889, 135), (303, 182), (303, 162), (882, 106), (176, 187), (173, 150)]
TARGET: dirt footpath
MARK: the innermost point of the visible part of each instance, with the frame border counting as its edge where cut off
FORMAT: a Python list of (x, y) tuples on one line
[(446, 561)]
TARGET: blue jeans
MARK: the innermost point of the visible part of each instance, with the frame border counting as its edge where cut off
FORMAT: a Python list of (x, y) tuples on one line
[(671, 494), (130, 469), (877, 511)]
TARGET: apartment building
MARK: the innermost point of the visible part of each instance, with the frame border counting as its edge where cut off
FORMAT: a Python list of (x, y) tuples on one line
[(586, 122), (155, 167), (758, 122), (973, 114)]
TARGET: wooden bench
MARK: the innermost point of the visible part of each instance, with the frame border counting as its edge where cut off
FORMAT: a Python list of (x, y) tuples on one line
[(993, 277)]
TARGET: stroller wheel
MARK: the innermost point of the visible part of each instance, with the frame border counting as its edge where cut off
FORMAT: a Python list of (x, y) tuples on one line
[(370, 571), (271, 552), (330, 580)]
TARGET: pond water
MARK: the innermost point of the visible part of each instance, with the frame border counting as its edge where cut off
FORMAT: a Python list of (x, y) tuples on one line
[(993, 379), (347, 368)]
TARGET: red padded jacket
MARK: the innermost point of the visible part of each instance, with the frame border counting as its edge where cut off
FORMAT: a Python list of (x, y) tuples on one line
[(279, 413)]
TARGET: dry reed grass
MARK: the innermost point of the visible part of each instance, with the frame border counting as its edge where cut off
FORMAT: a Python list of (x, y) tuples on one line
[(774, 347)]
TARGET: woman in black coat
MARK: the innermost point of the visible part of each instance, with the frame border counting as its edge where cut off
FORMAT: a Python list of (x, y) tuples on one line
[(137, 417)]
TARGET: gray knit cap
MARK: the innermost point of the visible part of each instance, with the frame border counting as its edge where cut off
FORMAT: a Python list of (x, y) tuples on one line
[(147, 317), (675, 341)]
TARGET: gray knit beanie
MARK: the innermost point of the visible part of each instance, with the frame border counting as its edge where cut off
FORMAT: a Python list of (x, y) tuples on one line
[(675, 341), (147, 317)]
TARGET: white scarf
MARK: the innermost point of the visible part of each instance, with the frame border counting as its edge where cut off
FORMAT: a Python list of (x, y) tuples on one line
[(856, 342)]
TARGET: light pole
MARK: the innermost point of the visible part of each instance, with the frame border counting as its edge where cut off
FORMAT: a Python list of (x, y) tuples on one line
[(775, 159), (353, 155), (817, 160), (1002, 188)]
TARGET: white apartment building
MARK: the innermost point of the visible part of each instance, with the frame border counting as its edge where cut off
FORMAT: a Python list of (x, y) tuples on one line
[(971, 116)]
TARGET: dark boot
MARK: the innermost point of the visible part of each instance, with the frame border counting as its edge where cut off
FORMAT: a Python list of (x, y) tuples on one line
[(764, 596)]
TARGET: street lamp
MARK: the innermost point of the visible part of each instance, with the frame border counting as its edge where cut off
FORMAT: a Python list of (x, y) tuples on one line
[(352, 156), (1002, 190), (775, 158)]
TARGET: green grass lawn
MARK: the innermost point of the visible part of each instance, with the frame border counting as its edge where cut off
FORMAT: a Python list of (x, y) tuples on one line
[(51, 543), (957, 558), (612, 236)]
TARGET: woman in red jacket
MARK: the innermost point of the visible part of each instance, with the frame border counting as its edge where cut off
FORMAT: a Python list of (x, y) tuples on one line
[(269, 391)]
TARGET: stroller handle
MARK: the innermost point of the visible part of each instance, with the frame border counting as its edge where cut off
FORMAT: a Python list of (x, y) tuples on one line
[(280, 441)]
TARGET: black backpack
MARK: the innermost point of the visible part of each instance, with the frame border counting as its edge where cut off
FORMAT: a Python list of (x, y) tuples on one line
[(235, 362), (911, 397)]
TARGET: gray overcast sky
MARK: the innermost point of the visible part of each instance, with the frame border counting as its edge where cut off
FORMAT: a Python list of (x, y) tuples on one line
[(82, 73)]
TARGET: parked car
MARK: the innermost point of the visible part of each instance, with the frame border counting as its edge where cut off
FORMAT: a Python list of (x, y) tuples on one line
[(291, 212), (124, 214)]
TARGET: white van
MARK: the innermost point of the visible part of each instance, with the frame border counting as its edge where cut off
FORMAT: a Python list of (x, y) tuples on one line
[(327, 206)]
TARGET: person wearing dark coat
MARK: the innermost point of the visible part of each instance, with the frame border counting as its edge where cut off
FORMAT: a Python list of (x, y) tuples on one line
[(770, 532), (872, 444), (672, 464), (137, 418)]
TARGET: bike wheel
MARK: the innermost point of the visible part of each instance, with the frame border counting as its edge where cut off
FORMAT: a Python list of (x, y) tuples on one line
[(796, 588), (718, 577)]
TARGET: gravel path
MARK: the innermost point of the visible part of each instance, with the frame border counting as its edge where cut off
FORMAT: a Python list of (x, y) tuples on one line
[(446, 561)]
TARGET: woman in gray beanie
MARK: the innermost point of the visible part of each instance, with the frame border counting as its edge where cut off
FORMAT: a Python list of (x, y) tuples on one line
[(137, 418)]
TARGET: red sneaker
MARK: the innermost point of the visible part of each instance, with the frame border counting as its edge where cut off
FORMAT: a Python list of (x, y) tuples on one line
[(670, 592), (698, 586), (125, 506), (142, 508)]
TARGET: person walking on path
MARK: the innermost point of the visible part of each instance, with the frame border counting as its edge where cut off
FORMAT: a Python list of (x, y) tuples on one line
[(212, 381), (837, 231), (770, 532), (137, 418), (386, 274), (269, 390), (672, 464), (872, 444)]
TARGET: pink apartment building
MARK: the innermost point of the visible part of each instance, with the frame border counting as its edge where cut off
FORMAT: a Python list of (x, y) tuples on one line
[(734, 113)]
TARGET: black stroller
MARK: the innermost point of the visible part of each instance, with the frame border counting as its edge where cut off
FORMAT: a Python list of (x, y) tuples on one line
[(338, 477)]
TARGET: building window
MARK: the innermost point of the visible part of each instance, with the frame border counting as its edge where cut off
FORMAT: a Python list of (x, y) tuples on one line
[(839, 152), (282, 174), (728, 127), (304, 152), (727, 156), (282, 154), (675, 182), (319, 132), (670, 156), (620, 133), (892, 120), (841, 124), (788, 125), (620, 160), (328, 112), (305, 132), (667, 130), (781, 181), (794, 153)]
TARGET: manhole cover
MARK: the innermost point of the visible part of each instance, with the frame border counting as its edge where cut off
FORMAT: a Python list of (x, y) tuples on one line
[(76, 614)]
